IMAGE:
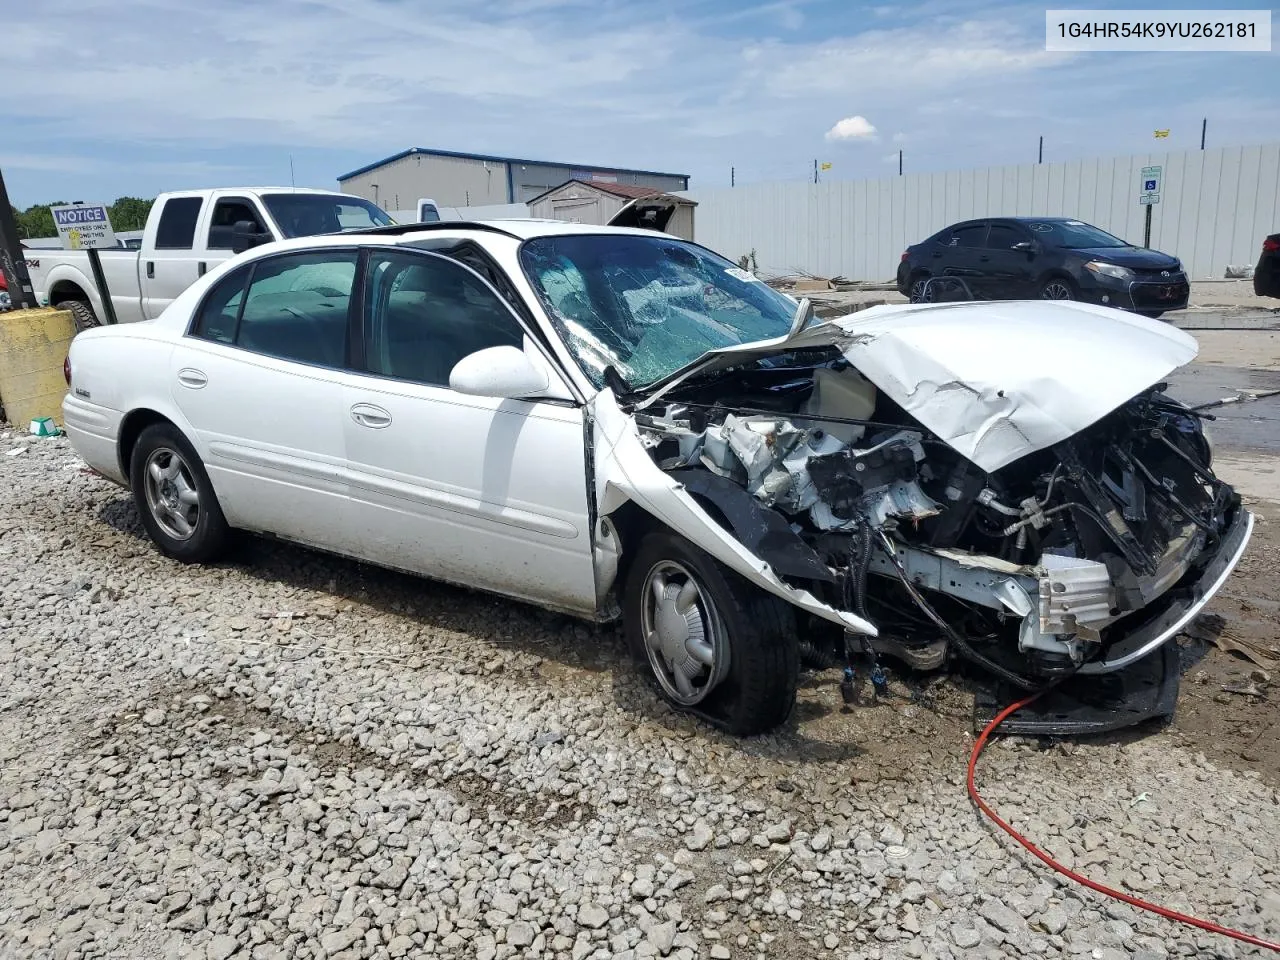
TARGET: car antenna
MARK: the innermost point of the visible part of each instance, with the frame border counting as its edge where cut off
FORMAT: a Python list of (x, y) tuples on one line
[(292, 185)]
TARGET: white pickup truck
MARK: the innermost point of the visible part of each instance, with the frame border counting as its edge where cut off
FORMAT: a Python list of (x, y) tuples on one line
[(188, 233)]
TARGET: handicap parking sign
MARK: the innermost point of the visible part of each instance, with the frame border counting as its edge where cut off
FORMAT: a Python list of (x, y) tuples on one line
[(1148, 185)]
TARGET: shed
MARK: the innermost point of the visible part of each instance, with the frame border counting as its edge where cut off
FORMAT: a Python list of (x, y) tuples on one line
[(624, 205)]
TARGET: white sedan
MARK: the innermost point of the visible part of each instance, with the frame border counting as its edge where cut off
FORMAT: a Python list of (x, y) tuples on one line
[(616, 423)]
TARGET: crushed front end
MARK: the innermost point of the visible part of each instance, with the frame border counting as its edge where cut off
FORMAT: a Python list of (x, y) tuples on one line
[(1080, 557)]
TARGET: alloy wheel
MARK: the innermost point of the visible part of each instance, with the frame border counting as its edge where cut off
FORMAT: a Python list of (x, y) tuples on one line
[(171, 493)]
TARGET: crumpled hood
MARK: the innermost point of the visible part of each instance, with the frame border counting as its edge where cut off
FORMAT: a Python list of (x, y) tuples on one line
[(995, 380), (1000, 380)]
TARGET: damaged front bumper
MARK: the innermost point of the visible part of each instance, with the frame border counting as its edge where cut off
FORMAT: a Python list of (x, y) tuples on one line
[(1164, 619)]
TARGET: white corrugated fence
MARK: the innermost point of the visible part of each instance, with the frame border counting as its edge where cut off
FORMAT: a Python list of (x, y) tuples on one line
[(1215, 209)]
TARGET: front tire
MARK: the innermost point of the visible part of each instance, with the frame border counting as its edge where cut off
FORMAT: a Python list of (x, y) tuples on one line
[(713, 643), (81, 314), (1058, 288), (175, 498)]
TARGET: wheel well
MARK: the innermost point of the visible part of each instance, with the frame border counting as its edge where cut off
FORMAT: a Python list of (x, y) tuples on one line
[(65, 290), (634, 523), (1057, 273), (130, 429)]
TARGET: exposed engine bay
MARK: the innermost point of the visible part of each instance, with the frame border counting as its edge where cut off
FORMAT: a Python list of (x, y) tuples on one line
[(1034, 571)]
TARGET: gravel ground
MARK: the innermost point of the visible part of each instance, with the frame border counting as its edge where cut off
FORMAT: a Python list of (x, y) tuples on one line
[(297, 756)]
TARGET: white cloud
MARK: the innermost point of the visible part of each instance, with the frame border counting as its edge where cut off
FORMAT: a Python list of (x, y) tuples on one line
[(852, 128), (170, 89)]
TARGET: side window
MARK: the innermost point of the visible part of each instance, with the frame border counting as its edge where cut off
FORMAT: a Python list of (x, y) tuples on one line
[(226, 214), (1002, 237), (221, 308), (177, 229), (969, 236), (424, 313), (296, 307)]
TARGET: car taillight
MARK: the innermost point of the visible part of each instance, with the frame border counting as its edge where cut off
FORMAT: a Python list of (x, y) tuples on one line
[(905, 255), (1270, 246), (66, 369)]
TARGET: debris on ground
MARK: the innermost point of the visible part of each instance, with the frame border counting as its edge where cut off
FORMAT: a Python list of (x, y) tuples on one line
[(1214, 629)]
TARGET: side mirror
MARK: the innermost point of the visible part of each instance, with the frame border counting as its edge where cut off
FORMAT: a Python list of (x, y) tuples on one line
[(498, 372), (1026, 246), (245, 234)]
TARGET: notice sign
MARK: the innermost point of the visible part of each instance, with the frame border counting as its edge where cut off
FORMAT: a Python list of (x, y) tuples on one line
[(84, 226)]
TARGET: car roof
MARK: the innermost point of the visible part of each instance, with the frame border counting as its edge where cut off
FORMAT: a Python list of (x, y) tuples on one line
[(1042, 219), (523, 229)]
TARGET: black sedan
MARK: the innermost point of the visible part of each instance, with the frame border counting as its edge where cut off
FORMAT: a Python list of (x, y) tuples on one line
[(1051, 258), (1266, 275)]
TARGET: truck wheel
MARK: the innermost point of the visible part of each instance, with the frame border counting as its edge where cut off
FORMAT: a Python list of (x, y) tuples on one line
[(175, 498), (81, 313), (715, 644)]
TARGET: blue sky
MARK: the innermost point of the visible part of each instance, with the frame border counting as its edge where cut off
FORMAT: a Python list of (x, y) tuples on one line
[(110, 98)]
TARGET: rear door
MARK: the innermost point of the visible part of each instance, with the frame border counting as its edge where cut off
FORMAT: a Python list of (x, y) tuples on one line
[(1006, 274), (260, 378), (169, 265), (958, 257)]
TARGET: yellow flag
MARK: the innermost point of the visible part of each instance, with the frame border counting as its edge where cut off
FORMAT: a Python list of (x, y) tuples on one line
[(826, 166), (1161, 134)]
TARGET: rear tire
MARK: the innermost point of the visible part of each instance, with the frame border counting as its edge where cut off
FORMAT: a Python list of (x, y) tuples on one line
[(81, 313), (175, 498), (735, 645), (916, 287)]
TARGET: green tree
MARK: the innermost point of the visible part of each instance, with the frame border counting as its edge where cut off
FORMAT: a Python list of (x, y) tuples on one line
[(37, 221), (130, 213)]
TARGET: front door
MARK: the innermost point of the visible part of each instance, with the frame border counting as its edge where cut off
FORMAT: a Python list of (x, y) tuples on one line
[(487, 492), (1006, 273), (261, 380)]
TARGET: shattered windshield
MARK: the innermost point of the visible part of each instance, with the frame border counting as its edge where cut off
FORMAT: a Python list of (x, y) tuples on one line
[(648, 306)]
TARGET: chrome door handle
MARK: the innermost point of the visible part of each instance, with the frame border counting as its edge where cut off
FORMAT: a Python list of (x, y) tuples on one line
[(367, 415), (190, 377)]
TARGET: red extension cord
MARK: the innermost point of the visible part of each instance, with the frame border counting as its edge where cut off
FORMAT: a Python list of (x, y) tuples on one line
[(978, 746)]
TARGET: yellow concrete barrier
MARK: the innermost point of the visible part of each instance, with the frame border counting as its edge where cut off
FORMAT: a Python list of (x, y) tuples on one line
[(33, 344)]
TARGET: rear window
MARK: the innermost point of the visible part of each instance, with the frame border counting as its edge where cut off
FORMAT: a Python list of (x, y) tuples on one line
[(177, 229), (968, 236)]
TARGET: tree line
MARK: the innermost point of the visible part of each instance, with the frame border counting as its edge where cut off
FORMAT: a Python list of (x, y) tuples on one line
[(127, 213)]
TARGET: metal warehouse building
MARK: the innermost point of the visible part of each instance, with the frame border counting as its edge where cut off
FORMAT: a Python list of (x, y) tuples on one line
[(473, 179)]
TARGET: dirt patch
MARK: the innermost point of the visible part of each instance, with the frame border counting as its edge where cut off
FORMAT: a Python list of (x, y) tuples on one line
[(1235, 729), (1252, 349)]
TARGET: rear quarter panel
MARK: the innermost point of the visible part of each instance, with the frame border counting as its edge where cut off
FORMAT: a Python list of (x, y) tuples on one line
[(115, 372)]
